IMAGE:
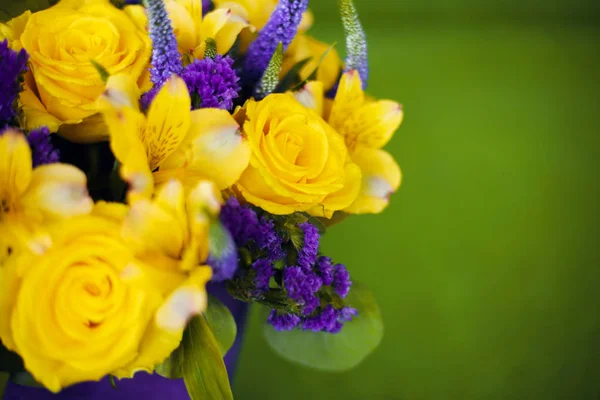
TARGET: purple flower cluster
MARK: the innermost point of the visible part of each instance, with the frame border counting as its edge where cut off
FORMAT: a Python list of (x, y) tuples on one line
[(12, 65), (328, 320), (166, 60), (212, 83), (246, 229), (281, 28), (264, 272), (42, 150), (307, 255), (283, 322), (207, 6), (302, 287)]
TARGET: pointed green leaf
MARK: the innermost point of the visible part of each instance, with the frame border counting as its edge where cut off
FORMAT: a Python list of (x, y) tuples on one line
[(313, 75), (221, 323), (270, 79), (334, 352), (211, 48), (104, 75), (356, 40), (204, 371), (292, 77)]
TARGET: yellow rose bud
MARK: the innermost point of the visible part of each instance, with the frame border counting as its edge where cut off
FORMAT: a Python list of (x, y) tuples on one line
[(88, 306), (298, 163), (63, 85)]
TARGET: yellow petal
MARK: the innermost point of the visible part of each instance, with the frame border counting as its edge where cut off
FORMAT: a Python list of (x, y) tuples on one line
[(149, 228), (344, 197), (381, 178), (13, 29), (214, 149), (121, 91), (213, 22), (349, 98), (228, 34), (168, 121), (15, 167), (311, 96), (164, 333), (57, 190), (184, 25), (137, 14)]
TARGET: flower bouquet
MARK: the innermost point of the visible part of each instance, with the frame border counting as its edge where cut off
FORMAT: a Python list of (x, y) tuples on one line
[(149, 151)]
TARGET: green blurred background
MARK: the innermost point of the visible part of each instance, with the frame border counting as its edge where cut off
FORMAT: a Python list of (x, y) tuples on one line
[(485, 265)]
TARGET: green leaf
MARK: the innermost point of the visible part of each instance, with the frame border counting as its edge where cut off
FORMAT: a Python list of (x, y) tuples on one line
[(313, 75), (356, 40), (4, 377), (211, 48), (221, 323), (10, 362), (24, 378), (204, 371), (270, 79), (113, 382), (292, 77), (334, 352), (104, 75)]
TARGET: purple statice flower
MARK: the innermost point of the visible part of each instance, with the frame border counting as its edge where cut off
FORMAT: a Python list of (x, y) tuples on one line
[(302, 287), (346, 314), (246, 227), (264, 271), (12, 65), (42, 150), (166, 60), (283, 322), (326, 320), (212, 83), (324, 267), (281, 28), (269, 240), (341, 280), (241, 221), (307, 255)]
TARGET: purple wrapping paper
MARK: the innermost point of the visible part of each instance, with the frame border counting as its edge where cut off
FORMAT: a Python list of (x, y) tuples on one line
[(143, 386)]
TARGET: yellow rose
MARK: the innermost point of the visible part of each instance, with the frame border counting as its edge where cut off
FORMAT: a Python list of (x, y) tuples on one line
[(88, 307), (298, 163), (62, 88)]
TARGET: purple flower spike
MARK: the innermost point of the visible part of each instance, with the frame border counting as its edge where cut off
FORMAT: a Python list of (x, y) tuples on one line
[(212, 83), (42, 151), (283, 322), (166, 60), (12, 65), (281, 28)]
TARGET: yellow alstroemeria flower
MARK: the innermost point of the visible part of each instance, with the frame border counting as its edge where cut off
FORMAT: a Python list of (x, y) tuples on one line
[(367, 126), (186, 218), (88, 306), (62, 86), (171, 141), (29, 197), (192, 28)]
